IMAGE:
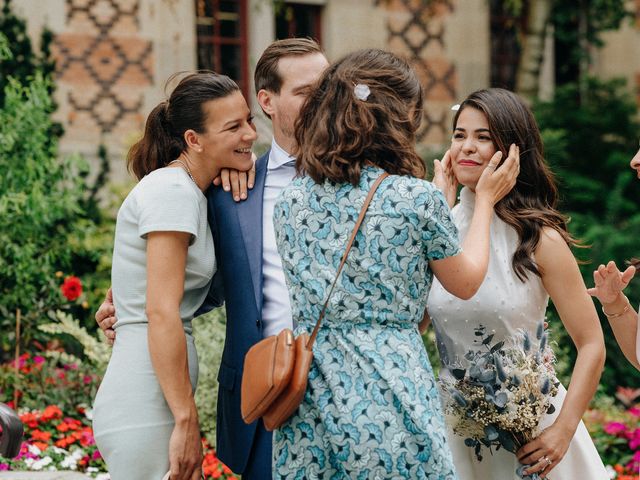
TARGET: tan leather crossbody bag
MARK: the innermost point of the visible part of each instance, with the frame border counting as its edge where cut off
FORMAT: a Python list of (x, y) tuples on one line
[(276, 369)]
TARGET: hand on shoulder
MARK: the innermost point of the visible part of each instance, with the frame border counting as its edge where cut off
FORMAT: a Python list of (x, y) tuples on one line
[(237, 182)]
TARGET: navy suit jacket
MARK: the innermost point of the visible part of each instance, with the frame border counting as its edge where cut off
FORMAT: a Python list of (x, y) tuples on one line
[(237, 233)]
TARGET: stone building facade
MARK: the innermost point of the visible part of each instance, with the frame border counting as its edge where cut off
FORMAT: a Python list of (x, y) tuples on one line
[(114, 56)]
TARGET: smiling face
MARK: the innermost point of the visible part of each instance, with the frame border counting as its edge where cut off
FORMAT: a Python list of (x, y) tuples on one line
[(228, 135), (471, 146)]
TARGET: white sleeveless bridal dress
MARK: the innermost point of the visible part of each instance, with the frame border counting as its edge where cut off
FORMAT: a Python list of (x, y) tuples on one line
[(503, 304)]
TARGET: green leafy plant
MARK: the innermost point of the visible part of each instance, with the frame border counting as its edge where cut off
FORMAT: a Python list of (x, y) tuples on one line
[(41, 226), (97, 352), (589, 139), (209, 332)]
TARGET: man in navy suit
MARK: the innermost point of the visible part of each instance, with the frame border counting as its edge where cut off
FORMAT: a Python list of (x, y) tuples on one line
[(249, 277)]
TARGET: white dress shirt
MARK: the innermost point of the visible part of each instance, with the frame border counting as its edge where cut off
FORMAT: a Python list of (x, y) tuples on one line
[(276, 309)]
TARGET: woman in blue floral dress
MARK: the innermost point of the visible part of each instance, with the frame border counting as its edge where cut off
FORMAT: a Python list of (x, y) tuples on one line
[(371, 409)]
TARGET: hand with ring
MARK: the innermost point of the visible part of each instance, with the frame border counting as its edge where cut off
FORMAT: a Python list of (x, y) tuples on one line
[(544, 452)]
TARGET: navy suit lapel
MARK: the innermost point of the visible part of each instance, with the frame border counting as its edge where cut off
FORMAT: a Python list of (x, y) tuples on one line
[(250, 219)]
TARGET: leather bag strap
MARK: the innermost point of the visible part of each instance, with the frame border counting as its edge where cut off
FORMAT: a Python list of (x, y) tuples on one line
[(363, 212)]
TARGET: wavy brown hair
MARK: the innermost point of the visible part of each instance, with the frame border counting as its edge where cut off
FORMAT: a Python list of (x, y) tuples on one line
[(337, 134), (531, 204)]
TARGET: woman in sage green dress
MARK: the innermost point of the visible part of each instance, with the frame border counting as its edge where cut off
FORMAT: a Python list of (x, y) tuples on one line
[(371, 409)]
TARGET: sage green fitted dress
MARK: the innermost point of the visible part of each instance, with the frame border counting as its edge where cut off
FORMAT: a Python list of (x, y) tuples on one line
[(131, 419)]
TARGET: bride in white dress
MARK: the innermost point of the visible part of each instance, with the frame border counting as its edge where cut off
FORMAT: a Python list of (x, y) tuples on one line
[(530, 261)]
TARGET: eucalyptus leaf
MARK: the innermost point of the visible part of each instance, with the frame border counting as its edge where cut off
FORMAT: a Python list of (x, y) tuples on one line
[(501, 399), (459, 398), (506, 440), (487, 376), (491, 433), (497, 346), (488, 339)]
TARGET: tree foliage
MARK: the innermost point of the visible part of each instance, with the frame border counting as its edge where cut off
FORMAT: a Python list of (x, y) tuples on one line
[(578, 26), (589, 141), (24, 61), (40, 207)]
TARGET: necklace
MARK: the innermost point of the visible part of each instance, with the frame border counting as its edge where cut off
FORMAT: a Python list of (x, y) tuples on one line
[(186, 168)]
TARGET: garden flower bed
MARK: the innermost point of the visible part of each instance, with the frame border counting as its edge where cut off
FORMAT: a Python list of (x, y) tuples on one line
[(59, 436), (616, 433), (55, 441)]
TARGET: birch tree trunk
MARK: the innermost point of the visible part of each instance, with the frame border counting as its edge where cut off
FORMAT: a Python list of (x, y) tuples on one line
[(533, 44)]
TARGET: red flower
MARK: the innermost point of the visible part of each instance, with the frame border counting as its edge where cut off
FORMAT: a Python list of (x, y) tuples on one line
[(29, 419), (71, 288), (51, 412)]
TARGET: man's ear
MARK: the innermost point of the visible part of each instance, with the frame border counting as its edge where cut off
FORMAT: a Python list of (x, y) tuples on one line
[(265, 100), (192, 139)]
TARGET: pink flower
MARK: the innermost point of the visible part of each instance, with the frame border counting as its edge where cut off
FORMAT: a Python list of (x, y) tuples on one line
[(635, 411), (634, 439), (96, 455), (87, 379), (4, 467), (615, 428), (38, 359)]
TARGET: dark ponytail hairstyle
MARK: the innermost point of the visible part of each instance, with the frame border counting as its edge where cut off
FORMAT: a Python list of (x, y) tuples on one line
[(531, 204), (163, 139)]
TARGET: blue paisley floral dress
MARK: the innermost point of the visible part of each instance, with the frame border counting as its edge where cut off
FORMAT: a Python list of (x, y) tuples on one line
[(371, 409)]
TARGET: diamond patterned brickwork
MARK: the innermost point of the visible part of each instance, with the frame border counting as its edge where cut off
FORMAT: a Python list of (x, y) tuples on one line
[(104, 67), (416, 30)]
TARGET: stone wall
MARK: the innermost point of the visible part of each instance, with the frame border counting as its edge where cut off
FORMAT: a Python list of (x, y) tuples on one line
[(113, 58)]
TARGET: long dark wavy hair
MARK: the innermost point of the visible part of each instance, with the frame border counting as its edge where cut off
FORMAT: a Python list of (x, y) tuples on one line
[(531, 204), (337, 133)]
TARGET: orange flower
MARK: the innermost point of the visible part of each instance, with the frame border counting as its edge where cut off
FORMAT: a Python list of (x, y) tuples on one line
[(40, 435), (51, 412), (41, 445), (65, 442), (62, 427)]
